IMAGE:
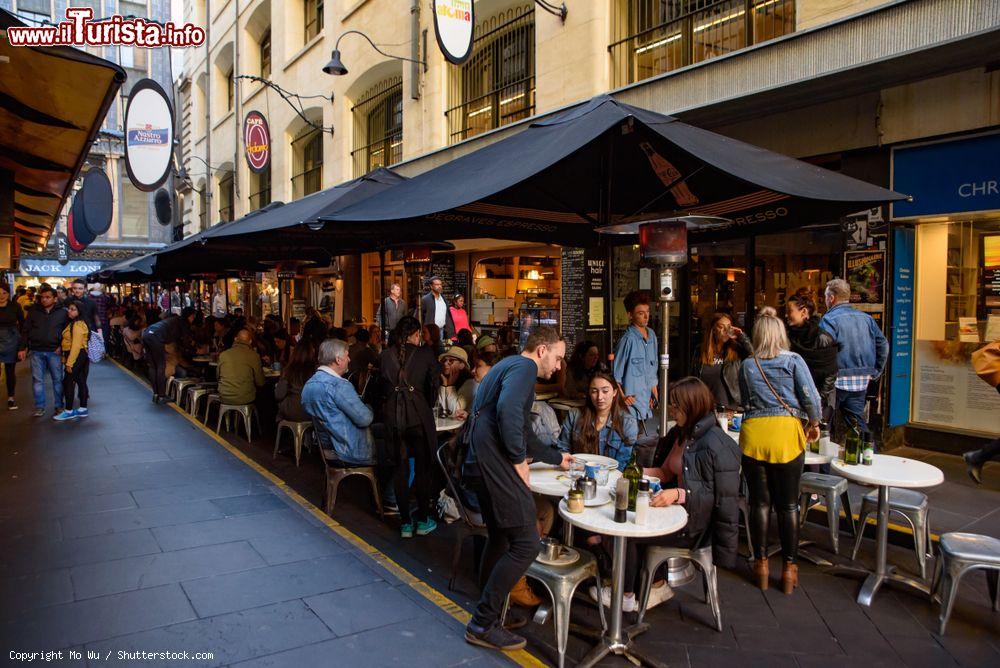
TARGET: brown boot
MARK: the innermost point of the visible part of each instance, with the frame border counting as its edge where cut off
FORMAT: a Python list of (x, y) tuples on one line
[(789, 577), (760, 573), (521, 594)]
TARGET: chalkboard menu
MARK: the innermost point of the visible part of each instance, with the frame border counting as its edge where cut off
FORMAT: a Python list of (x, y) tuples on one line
[(573, 305), (462, 285), (442, 266)]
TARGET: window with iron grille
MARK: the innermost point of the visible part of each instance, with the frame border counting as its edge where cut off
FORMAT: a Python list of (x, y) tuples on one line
[(313, 12), (308, 155), (261, 186), (227, 194), (37, 12), (650, 37), (265, 55), (230, 89), (378, 126), (203, 222), (496, 86)]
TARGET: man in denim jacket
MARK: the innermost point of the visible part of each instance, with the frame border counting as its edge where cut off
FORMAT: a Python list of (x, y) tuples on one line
[(339, 416), (863, 350)]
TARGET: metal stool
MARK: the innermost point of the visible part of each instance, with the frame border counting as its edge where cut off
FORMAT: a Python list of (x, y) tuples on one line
[(701, 557), (832, 488), (561, 583), (196, 393), (179, 385), (912, 506), (213, 400), (960, 553), (246, 410), (298, 430), (169, 387), (335, 474)]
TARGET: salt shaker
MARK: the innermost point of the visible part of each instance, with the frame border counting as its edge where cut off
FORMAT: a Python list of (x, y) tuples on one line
[(642, 502)]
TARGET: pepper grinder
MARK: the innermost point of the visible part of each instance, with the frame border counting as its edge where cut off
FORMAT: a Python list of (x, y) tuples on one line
[(621, 500)]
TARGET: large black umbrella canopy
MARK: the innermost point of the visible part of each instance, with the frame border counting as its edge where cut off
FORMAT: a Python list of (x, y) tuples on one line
[(599, 164), (278, 232), (137, 269)]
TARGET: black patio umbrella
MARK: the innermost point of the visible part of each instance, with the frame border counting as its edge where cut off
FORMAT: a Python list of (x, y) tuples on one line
[(597, 165), (137, 269)]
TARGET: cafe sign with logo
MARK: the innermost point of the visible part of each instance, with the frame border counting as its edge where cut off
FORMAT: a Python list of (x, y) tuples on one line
[(454, 24), (149, 135), (256, 141)]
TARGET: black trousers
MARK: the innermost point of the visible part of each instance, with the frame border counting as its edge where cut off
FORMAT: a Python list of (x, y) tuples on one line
[(8, 371), (774, 485), (509, 551), (156, 358), (77, 380), (413, 444)]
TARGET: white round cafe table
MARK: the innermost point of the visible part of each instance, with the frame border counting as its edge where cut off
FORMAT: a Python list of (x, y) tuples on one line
[(600, 519), (884, 472), (447, 424), (548, 480)]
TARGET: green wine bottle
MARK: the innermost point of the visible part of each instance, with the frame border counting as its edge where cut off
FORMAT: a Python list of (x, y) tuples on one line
[(633, 474), (852, 444)]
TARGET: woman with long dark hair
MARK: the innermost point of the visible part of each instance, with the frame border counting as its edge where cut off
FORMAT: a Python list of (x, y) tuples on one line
[(604, 426), (288, 391), (815, 346), (583, 364), (76, 363), (717, 362), (11, 322), (409, 376)]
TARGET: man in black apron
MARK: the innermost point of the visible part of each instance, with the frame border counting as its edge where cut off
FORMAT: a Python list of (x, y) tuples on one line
[(500, 441)]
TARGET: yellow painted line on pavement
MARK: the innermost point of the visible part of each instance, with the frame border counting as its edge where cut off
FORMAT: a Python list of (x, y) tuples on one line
[(520, 657)]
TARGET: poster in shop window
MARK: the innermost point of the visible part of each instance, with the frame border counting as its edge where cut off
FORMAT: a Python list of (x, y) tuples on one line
[(865, 273)]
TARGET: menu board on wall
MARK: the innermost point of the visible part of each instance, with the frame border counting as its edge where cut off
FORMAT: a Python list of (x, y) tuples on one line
[(442, 266), (901, 337), (573, 304), (948, 393), (461, 285)]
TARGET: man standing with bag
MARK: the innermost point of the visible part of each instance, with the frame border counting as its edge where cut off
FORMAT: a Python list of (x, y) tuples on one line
[(496, 469)]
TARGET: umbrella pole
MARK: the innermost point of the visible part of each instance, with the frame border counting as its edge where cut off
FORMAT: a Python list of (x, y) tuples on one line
[(381, 290), (225, 282)]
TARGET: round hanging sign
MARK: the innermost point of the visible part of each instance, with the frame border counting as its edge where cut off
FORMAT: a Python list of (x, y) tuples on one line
[(454, 24), (96, 202), (256, 141), (149, 135)]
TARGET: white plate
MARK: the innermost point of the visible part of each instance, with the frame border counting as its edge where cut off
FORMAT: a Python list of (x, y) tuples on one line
[(602, 497), (598, 459)]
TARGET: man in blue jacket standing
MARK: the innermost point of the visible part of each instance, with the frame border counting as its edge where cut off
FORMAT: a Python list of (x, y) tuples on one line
[(500, 442), (340, 418), (636, 363), (863, 350)]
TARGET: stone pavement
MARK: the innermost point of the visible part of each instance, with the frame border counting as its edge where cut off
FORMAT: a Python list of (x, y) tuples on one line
[(134, 530)]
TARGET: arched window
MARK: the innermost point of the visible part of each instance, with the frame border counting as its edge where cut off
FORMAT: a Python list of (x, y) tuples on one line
[(260, 187), (378, 126), (227, 195), (496, 86), (307, 154)]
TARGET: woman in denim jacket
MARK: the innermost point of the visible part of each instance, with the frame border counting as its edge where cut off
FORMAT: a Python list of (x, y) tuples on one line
[(604, 426), (778, 394)]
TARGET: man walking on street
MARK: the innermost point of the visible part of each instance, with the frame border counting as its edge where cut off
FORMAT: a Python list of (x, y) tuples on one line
[(433, 307), (393, 308), (863, 350), (88, 309), (43, 329), (500, 441)]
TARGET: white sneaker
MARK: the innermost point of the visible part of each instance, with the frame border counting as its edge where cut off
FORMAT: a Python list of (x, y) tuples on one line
[(628, 602), (659, 594)]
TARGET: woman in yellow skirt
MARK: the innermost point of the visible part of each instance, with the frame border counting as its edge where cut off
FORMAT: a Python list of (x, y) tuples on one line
[(778, 396)]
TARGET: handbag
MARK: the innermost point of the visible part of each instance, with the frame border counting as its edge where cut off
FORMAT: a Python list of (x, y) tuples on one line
[(798, 421), (986, 363), (95, 347)]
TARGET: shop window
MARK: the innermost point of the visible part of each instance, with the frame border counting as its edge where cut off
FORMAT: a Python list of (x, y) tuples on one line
[(133, 210), (265, 55), (801, 263), (261, 185), (650, 37), (227, 195), (203, 221), (313, 13), (957, 306), (307, 153), (37, 12), (496, 86), (378, 126)]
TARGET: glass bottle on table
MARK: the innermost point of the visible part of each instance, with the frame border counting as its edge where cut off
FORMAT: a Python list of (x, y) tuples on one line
[(632, 473), (853, 444)]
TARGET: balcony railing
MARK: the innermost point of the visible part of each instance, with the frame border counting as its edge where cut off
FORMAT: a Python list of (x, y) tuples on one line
[(653, 38)]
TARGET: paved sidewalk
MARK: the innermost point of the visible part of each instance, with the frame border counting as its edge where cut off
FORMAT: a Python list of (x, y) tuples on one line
[(134, 530)]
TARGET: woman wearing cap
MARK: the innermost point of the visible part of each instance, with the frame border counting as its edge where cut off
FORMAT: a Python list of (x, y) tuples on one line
[(457, 384)]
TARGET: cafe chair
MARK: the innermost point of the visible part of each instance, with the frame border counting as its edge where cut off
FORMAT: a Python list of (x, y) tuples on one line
[(247, 411), (472, 523), (299, 430), (337, 471), (176, 387), (913, 507), (562, 583), (959, 553), (832, 489), (701, 557), (198, 392)]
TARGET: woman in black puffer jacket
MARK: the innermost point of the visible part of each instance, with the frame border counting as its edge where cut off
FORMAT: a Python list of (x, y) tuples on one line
[(817, 348), (698, 465)]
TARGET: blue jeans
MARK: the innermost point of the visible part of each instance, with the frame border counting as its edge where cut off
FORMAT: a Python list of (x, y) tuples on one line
[(51, 363), (851, 404)]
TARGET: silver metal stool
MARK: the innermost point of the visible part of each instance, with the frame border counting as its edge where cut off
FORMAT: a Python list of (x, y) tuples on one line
[(912, 506), (702, 558), (833, 489), (213, 400), (561, 583), (248, 411), (336, 473), (960, 553), (298, 430), (179, 385), (169, 387), (196, 393)]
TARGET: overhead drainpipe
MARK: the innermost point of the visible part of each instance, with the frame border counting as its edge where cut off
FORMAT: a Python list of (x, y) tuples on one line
[(415, 49)]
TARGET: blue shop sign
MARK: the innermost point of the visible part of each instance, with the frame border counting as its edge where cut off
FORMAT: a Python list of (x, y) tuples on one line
[(949, 177), (44, 267), (901, 335)]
